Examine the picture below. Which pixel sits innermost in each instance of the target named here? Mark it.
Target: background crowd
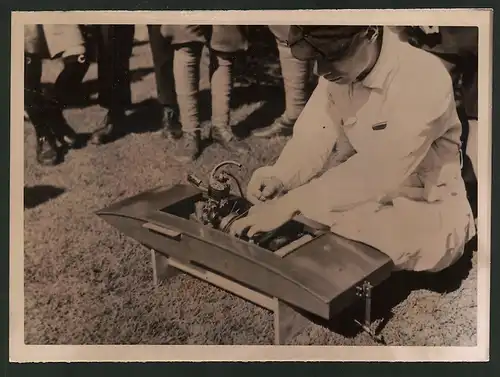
(177, 52)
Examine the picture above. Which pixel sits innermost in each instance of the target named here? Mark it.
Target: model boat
(301, 266)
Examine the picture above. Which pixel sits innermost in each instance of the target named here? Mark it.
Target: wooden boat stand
(288, 321)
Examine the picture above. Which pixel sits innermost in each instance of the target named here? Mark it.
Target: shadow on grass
(271, 97)
(147, 116)
(81, 96)
(82, 140)
(36, 195)
(273, 105)
(138, 43)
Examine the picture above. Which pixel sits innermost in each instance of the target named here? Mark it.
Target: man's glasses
(307, 42)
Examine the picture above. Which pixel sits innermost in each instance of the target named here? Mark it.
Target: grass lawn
(85, 283)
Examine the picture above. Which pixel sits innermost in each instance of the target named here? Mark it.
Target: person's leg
(296, 75)
(114, 50)
(221, 82)
(187, 79)
(68, 82)
(458, 72)
(68, 85)
(472, 144)
(470, 97)
(469, 133)
(35, 105)
(163, 61)
(415, 234)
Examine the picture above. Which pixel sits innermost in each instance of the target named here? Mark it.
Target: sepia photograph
(282, 180)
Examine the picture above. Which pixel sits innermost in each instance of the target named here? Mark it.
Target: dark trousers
(34, 101)
(163, 61)
(44, 111)
(464, 67)
(114, 48)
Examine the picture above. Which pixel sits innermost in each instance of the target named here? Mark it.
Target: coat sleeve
(314, 137)
(392, 156)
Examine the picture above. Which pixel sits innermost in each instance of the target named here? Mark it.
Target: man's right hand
(263, 187)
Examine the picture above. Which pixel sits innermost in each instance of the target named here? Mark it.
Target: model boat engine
(219, 209)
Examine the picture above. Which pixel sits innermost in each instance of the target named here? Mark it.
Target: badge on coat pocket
(379, 126)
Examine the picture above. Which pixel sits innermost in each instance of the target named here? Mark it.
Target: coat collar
(386, 62)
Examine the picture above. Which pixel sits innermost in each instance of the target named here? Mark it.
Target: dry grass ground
(85, 283)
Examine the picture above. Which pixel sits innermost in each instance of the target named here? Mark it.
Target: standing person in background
(67, 89)
(296, 78)
(224, 42)
(114, 48)
(44, 109)
(163, 61)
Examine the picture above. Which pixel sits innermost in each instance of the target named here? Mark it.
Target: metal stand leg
(365, 291)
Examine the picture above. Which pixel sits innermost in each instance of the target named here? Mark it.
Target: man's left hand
(264, 217)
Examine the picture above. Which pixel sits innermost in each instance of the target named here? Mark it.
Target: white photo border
(20, 352)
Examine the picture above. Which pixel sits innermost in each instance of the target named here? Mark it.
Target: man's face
(348, 69)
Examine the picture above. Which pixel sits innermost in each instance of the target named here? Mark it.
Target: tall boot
(68, 87)
(47, 152)
(35, 105)
(50, 103)
(187, 80)
(110, 127)
(296, 78)
(162, 52)
(55, 120)
(221, 80)
(64, 133)
(114, 49)
(46, 148)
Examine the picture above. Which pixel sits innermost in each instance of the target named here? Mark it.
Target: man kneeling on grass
(389, 109)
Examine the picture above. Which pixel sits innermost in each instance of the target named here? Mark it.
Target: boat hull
(320, 277)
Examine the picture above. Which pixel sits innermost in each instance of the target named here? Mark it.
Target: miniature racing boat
(299, 268)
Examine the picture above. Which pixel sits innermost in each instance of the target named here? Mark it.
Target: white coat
(399, 188)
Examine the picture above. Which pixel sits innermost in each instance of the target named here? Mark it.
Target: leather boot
(63, 132)
(109, 128)
(35, 108)
(280, 127)
(172, 128)
(187, 148)
(68, 88)
(46, 148)
(226, 138)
